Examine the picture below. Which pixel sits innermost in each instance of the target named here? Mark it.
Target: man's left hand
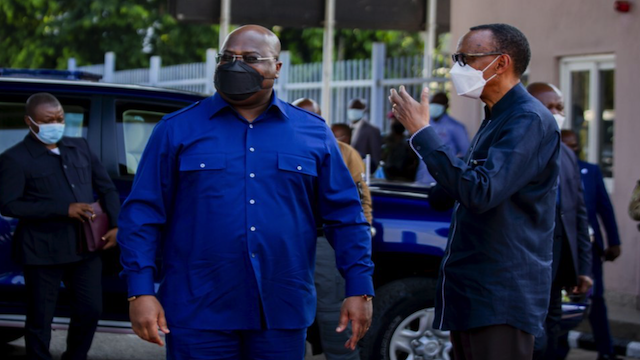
(359, 311)
(110, 238)
(584, 284)
(611, 253)
(412, 114)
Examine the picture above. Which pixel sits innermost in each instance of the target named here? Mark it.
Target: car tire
(401, 327)
(9, 334)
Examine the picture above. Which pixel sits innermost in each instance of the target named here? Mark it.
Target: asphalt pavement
(129, 347)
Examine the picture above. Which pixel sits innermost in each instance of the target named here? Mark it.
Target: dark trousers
(598, 313)
(546, 345)
(496, 342)
(330, 294)
(83, 280)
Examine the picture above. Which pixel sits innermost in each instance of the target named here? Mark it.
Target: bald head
(540, 87)
(307, 104)
(256, 33)
(549, 95)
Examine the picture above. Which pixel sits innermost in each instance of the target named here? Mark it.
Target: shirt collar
(511, 97)
(217, 103)
(36, 148)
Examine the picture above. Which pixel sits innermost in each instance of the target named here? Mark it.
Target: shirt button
(64, 166)
(253, 228)
(252, 201)
(252, 175)
(73, 186)
(250, 126)
(299, 167)
(202, 165)
(253, 255)
(418, 147)
(252, 149)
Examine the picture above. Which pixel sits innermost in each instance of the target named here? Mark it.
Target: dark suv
(117, 121)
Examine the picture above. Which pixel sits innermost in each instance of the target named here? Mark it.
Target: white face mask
(559, 119)
(468, 81)
(355, 114)
(48, 133)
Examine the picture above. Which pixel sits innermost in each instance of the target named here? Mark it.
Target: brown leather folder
(96, 228)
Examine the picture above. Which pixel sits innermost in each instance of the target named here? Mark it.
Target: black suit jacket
(37, 187)
(573, 215)
(369, 141)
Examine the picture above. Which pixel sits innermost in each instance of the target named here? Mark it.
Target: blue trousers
(196, 344)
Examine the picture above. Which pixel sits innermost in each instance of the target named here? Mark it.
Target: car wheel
(8, 334)
(402, 324)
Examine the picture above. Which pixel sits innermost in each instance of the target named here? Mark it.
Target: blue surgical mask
(48, 133)
(355, 114)
(436, 110)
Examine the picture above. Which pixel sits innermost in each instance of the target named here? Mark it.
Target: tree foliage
(45, 33)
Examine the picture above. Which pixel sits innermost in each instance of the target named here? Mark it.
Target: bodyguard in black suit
(571, 267)
(47, 182)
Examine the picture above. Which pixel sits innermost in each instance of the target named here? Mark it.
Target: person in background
(495, 276)
(399, 162)
(599, 210)
(571, 245)
(452, 133)
(329, 283)
(229, 190)
(342, 132)
(365, 137)
(48, 183)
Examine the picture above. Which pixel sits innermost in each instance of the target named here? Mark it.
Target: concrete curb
(622, 347)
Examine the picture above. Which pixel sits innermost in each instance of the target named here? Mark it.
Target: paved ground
(129, 347)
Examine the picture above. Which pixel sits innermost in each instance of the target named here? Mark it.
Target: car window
(135, 123)
(13, 128)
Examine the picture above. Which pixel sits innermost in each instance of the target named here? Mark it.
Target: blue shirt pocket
(203, 162)
(203, 174)
(297, 164)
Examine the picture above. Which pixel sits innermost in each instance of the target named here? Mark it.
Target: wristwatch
(367, 297)
(131, 298)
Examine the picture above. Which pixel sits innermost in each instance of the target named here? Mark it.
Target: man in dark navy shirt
(230, 191)
(48, 182)
(495, 278)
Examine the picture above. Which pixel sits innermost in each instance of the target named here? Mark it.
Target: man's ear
(503, 64)
(278, 67)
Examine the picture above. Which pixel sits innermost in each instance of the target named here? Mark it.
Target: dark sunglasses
(461, 58)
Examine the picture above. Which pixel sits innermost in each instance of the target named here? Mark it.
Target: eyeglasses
(461, 58)
(249, 59)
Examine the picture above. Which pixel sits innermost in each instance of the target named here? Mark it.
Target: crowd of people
(244, 188)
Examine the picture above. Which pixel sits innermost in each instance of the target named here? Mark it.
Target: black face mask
(237, 80)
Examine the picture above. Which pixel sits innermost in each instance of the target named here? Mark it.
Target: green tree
(45, 33)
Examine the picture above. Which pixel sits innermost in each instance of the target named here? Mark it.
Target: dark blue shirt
(233, 207)
(497, 264)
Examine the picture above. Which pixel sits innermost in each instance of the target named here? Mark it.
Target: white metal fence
(369, 79)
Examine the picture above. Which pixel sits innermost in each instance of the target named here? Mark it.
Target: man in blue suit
(598, 207)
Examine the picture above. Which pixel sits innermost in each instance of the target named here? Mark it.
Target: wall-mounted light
(623, 6)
